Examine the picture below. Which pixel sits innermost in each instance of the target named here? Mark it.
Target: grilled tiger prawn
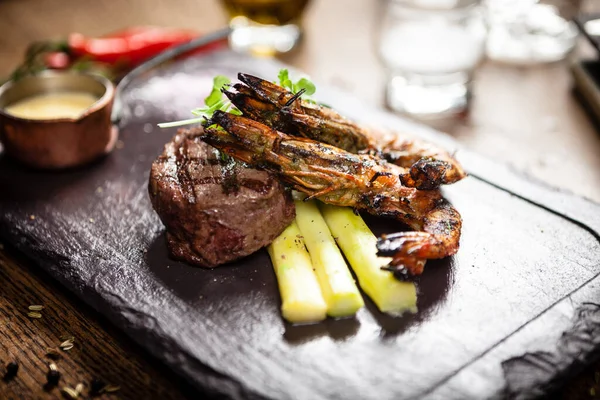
(428, 166)
(338, 177)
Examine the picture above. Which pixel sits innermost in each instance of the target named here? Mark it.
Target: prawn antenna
(295, 97)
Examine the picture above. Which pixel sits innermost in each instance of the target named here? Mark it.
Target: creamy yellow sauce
(52, 105)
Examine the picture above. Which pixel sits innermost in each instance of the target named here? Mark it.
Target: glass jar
(531, 31)
(430, 49)
(265, 27)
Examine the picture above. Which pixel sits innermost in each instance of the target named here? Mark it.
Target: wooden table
(526, 117)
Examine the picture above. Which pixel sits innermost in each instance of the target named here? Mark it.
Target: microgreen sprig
(216, 100)
(295, 87)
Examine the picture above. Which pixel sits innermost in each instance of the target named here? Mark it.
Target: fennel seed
(34, 314)
(111, 388)
(79, 388)
(70, 392)
(67, 345)
(36, 308)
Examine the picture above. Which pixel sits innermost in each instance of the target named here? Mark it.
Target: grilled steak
(215, 209)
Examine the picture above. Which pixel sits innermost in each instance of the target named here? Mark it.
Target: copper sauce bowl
(62, 142)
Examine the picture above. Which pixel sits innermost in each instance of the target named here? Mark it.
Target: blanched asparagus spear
(337, 284)
(301, 297)
(359, 246)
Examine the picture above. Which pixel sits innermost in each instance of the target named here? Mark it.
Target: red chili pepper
(130, 46)
(57, 60)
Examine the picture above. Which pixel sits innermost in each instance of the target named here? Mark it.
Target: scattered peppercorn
(53, 377)
(96, 386)
(11, 370)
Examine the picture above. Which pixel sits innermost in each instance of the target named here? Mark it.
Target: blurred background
(520, 107)
(499, 74)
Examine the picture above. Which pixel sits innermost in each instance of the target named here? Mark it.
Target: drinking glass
(430, 49)
(265, 27)
(531, 31)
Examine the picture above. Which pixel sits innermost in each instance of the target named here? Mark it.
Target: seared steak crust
(215, 209)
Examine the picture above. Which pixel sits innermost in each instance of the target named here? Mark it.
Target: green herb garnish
(216, 100)
(303, 83)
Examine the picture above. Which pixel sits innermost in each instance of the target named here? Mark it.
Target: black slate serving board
(512, 314)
